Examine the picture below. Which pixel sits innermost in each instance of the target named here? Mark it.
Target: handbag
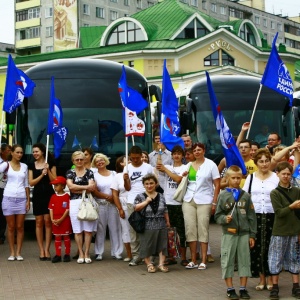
(174, 249)
(88, 209)
(181, 189)
(137, 220)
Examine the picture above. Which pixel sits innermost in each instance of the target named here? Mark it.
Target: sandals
(191, 265)
(202, 266)
(163, 268)
(151, 268)
(184, 262)
(260, 287)
(170, 262)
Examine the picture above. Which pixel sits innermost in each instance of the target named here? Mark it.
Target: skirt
(78, 225)
(153, 242)
(13, 206)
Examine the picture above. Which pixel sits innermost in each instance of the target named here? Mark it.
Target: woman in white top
(120, 200)
(259, 185)
(108, 213)
(16, 200)
(200, 202)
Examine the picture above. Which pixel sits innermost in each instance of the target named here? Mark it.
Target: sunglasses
(78, 159)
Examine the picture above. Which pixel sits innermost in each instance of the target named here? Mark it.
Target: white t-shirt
(118, 185)
(260, 192)
(136, 175)
(104, 182)
(17, 181)
(202, 190)
(171, 186)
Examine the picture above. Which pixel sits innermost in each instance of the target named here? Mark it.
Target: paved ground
(111, 279)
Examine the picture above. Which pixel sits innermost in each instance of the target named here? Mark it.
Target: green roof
(90, 36)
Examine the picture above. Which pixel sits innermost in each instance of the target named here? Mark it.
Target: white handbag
(181, 189)
(88, 209)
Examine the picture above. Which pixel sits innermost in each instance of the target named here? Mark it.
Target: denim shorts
(13, 206)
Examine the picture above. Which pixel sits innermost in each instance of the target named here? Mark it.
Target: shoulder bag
(137, 220)
(181, 189)
(88, 209)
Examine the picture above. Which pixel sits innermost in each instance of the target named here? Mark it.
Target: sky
(289, 8)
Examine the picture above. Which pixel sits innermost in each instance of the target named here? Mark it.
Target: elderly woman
(40, 175)
(154, 239)
(16, 201)
(199, 202)
(80, 179)
(108, 213)
(259, 185)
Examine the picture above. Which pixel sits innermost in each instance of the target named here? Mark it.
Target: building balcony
(28, 43)
(28, 23)
(291, 36)
(27, 4)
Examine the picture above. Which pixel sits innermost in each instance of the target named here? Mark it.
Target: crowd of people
(258, 211)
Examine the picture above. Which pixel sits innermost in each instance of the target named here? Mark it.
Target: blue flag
(94, 143)
(18, 86)
(230, 150)
(55, 117)
(169, 126)
(276, 75)
(75, 143)
(59, 139)
(131, 98)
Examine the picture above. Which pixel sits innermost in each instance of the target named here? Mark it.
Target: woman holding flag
(41, 174)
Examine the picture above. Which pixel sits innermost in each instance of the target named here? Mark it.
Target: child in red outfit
(61, 223)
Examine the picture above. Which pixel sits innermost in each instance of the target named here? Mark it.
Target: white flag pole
(47, 147)
(126, 153)
(2, 121)
(254, 109)
(132, 137)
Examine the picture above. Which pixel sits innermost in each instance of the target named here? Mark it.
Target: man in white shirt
(134, 185)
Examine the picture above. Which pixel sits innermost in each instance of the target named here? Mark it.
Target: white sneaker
(99, 257)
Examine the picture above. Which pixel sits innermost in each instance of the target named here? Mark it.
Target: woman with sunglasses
(80, 179)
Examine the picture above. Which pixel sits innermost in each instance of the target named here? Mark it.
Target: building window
(131, 64)
(114, 15)
(265, 22)
(279, 26)
(222, 10)
(49, 49)
(213, 7)
(139, 3)
(214, 59)
(193, 30)
(290, 43)
(272, 25)
(194, 3)
(150, 4)
(100, 12)
(127, 32)
(204, 4)
(115, 1)
(256, 20)
(236, 13)
(22, 34)
(86, 25)
(22, 15)
(33, 13)
(48, 12)
(266, 36)
(126, 2)
(32, 33)
(246, 33)
(49, 31)
(86, 9)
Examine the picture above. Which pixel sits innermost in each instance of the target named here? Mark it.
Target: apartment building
(52, 25)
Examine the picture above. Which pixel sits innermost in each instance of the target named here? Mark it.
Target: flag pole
(132, 137)
(254, 109)
(47, 147)
(126, 153)
(2, 121)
